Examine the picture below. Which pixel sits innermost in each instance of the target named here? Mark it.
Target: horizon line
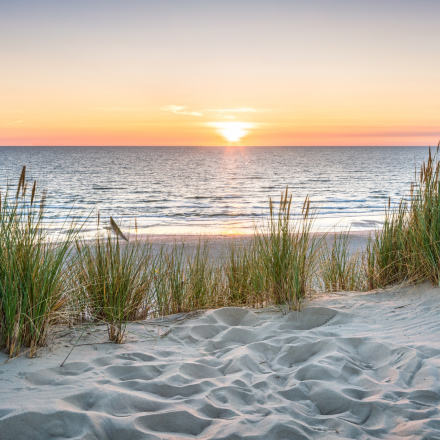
(217, 146)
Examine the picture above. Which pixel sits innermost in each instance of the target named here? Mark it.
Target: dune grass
(407, 248)
(244, 276)
(34, 272)
(288, 252)
(340, 269)
(45, 281)
(114, 282)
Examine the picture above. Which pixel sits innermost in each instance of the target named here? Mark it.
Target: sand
(219, 245)
(351, 365)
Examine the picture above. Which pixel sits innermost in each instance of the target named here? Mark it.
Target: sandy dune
(357, 366)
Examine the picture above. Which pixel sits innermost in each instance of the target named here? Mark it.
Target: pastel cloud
(234, 110)
(180, 110)
(118, 109)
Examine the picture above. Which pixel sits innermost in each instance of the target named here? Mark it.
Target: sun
(232, 131)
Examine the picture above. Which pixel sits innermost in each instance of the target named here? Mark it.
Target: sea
(212, 190)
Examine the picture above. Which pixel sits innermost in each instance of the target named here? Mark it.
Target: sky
(219, 72)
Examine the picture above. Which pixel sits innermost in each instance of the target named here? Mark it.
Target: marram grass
(113, 282)
(340, 269)
(407, 248)
(287, 252)
(34, 272)
(46, 281)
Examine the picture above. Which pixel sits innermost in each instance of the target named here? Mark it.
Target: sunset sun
(232, 131)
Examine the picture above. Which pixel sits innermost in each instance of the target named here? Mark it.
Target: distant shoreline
(219, 244)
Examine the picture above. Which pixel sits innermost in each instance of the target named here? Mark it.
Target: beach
(219, 220)
(285, 334)
(219, 245)
(349, 365)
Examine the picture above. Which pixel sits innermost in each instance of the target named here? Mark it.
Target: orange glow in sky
(219, 73)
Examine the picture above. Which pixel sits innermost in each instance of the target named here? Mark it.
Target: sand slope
(355, 366)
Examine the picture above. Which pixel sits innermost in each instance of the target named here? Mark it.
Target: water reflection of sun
(232, 131)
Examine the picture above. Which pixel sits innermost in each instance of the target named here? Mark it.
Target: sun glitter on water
(232, 131)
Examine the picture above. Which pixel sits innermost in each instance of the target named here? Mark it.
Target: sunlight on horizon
(199, 73)
(232, 131)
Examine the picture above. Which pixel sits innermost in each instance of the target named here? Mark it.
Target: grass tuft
(341, 269)
(44, 280)
(407, 248)
(113, 282)
(34, 273)
(288, 252)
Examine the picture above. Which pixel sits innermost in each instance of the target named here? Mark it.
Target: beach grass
(34, 271)
(341, 269)
(407, 247)
(244, 276)
(183, 281)
(46, 281)
(113, 282)
(288, 252)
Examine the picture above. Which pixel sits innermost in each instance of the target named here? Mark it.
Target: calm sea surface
(214, 189)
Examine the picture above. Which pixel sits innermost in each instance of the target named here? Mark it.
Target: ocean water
(214, 190)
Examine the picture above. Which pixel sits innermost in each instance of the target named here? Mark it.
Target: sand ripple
(353, 367)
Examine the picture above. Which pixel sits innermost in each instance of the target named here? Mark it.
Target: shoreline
(220, 243)
(356, 223)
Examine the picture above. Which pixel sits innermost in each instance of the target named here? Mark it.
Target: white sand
(357, 366)
(219, 245)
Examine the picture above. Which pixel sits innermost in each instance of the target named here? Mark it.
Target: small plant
(245, 279)
(34, 272)
(170, 281)
(407, 248)
(114, 281)
(200, 277)
(288, 252)
(238, 271)
(340, 269)
(184, 281)
(422, 232)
